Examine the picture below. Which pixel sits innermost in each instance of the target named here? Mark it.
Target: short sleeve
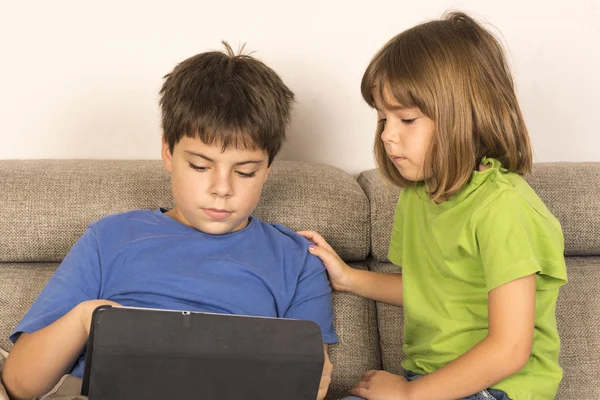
(515, 240)
(77, 279)
(312, 298)
(395, 250)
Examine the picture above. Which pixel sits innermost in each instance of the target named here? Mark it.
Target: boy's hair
(227, 100)
(456, 73)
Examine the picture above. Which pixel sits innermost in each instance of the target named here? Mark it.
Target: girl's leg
(489, 394)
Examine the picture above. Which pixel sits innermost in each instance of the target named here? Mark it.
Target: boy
(224, 118)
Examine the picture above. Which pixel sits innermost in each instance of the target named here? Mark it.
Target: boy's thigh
(68, 388)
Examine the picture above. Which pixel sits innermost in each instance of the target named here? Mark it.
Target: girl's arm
(505, 351)
(386, 288)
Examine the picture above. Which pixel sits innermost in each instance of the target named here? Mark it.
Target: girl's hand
(381, 385)
(340, 274)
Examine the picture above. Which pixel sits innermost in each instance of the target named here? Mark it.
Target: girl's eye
(246, 175)
(408, 121)
(382, 121)
(195, 167)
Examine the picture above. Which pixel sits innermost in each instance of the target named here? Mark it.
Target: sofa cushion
(571, 192)
(390, 322)
(383, 197)
(578, 320)
(47, 204)
(306, 196)
(567, 189)
(355, 321)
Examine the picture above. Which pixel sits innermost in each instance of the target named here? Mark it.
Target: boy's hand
(340, 274)
(86, 309)
(382, 385)
(326, 377)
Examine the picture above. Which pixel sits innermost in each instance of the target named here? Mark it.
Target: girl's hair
(456, 73)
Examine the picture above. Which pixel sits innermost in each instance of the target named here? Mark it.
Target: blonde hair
(456, 73)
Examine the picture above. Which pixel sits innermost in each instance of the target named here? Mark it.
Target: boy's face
(215, 191)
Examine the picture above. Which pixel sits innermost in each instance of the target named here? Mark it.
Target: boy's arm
(51, 335)
(326, 377)
(39, 359)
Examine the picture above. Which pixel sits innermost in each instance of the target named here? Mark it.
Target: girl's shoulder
(511, 194)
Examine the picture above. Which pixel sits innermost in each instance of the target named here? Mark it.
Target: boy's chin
(221, 228)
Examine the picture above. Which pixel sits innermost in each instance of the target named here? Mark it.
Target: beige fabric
(390, 320)
(355, 321)
(3, 394)
(321, 198)
(382, 199)
(47, 204)
(570, 190)
(20, 285)
(68, 388)
(578, 318)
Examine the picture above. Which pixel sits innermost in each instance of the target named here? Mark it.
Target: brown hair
(456, 73)
(228, 100)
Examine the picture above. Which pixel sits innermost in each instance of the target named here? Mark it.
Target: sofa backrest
(569, 190)
(47, 204)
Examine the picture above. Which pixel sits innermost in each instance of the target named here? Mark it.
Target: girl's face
(407, 135)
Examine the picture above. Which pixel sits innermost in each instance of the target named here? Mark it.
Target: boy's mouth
(216, 214)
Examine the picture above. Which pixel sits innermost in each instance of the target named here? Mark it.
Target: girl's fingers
(316, 239)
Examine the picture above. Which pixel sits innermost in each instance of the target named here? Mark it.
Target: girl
(482, 256)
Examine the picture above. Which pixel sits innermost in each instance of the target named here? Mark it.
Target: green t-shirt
(495, 230)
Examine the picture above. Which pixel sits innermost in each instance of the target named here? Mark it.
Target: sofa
(47, 204)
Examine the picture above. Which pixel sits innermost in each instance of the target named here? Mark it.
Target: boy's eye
(195, 167)
(408, 121)
(382, 121)
(246, 175)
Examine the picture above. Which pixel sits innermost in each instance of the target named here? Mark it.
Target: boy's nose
(221, 187)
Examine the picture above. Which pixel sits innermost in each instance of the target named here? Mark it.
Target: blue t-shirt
(147, 259)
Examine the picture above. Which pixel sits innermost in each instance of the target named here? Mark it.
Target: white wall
(79, 79)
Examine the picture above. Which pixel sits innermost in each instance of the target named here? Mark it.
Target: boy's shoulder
(282, 235)
(119, 220)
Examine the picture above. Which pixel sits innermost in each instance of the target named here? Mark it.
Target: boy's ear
(166, 155)
(268, 172)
